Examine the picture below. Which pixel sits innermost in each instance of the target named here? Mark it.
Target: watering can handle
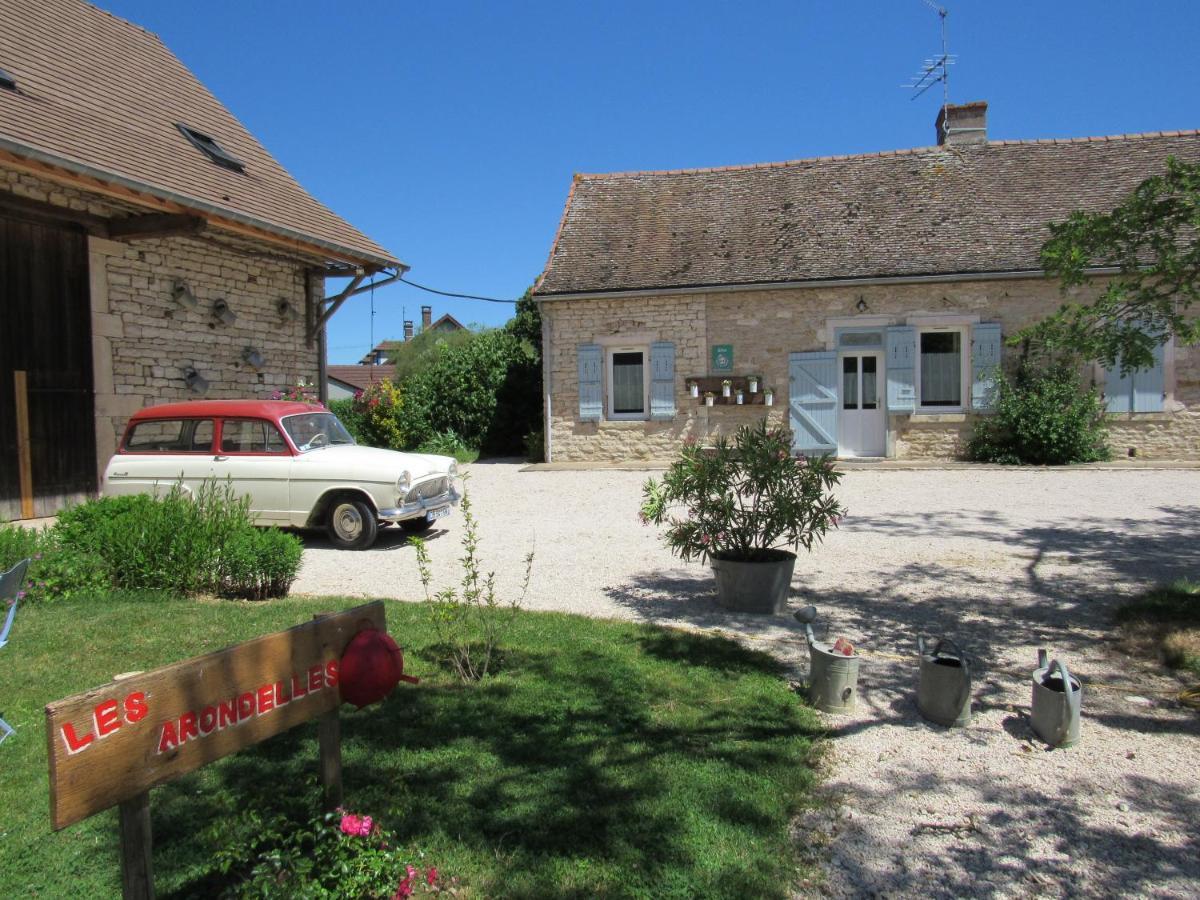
(1073, 696)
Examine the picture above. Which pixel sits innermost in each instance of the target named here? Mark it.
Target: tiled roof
(361, 377)
(384, 347)
(447, 322)
(934, 210)
(98, 95)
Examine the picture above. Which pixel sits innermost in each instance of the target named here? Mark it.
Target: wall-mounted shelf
(712, 384)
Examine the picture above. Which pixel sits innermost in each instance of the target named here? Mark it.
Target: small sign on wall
(722, 357)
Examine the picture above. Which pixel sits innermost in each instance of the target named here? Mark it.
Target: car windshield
(309, 431)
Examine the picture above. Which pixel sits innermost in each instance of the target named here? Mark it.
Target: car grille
(427, 490)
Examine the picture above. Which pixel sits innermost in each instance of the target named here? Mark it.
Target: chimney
(426, 317)
(408, 329)
(962, 124)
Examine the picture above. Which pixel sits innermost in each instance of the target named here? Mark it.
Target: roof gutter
(1009, 275)
(337, 250)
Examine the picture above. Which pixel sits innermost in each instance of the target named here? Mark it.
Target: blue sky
(449, 131)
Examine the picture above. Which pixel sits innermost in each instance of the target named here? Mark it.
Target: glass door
(861, 422)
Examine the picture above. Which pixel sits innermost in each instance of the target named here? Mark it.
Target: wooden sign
(114, 743)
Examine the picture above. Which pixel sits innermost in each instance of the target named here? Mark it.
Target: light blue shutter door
(590, 363)
(662, 380)
(1118, 389)
(901, 359)
(985, 360)
(1149, 385)
(813, 402)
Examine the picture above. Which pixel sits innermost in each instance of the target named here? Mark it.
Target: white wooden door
(861, 417)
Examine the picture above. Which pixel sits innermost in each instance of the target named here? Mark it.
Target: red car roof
(192, 409)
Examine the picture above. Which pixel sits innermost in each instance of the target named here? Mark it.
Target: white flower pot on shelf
(708, 399)
(754, 385)
(725, 389)
(695, 389)
(769, 398)
(740, 398)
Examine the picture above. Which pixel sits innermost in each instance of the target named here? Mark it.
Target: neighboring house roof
(447, 323)
(360, 377)
(99, 97)
(384, 347)
(935, 210)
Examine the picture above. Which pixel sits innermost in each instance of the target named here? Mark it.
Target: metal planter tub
(754, 587)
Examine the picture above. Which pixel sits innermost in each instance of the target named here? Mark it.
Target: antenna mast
(936, 68)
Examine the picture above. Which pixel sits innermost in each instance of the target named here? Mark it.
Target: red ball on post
(371, 667)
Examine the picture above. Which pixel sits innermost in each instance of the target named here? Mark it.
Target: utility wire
(449, 294)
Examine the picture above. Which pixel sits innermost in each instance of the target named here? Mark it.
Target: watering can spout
(806, 616)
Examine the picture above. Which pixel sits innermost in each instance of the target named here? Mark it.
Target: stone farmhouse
(151, 249)
(871, 294)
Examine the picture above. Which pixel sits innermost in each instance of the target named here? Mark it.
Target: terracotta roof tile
(929, 210)
(97, 91)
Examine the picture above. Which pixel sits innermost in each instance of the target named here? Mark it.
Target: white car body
(289, 484)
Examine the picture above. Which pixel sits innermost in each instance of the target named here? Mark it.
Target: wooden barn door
(47, 416)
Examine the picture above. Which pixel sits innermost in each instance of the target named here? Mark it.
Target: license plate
(437, 513)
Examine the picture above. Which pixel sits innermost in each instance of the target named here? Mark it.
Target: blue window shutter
(1149, 385)
(901, 361)
(1118, 390)
(662, 380)
(813, 402)
(985, 360)
(591, 404)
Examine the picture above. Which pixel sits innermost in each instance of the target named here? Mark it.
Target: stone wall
(764, 326)
(142, 340)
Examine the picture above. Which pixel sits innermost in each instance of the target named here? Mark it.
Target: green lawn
(605, 759)
(1167, 619)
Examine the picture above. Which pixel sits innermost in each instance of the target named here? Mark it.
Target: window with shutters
(628, 383)
(941, 368)
(1139, 390)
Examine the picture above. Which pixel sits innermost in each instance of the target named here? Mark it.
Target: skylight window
(7, 81)
(210, 148)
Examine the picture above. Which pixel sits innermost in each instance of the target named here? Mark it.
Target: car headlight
(403, 483)
(453, 470)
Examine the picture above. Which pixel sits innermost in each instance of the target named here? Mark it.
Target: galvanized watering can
(832, 677)
(944, 688)
(1057, 697)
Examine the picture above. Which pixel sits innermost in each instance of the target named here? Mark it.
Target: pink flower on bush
(721, 536)
(404, 889)
(704, 539)
(431, 876)
(801, 461)
(783, 454)
(357, 826)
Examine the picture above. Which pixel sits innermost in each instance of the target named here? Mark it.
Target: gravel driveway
(1004, 561)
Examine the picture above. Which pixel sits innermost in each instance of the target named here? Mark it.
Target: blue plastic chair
(10, 586)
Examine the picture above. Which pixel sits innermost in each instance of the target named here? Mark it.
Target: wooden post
(329, 737)
(137, 874)
(24, 452)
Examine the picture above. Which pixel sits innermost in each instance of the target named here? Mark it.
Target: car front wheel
(352, 524)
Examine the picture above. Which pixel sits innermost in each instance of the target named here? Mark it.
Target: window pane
(160, 436)
(202, 436)
(250, 436)
(870, 399)
(941, 368)
(861, 339)
(628, 387)
(850, 382)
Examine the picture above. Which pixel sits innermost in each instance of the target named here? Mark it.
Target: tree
(1152, 239)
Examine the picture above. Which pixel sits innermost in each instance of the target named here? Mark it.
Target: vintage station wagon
(296, 461)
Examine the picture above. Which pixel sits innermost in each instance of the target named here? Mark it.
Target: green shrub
(258, 564)
(447, 443)
(54, 573)
(479, 389)
(201, 544)
(1044, 416)
(348, 415)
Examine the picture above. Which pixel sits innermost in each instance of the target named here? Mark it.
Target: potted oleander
(747, 507)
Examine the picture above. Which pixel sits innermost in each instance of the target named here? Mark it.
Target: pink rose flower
(431, 876)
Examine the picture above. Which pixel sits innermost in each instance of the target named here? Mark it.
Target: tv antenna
(937, 67)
